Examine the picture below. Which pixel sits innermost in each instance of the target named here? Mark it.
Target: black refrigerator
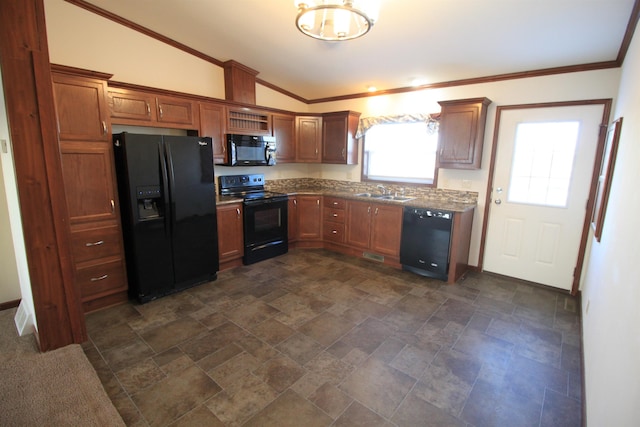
(168, 206)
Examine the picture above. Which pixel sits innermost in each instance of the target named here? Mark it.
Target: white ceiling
(431, 40)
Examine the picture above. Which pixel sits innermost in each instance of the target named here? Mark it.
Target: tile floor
(314, 338)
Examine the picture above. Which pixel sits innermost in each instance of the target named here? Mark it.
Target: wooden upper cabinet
(309, 139)
(339, 144)
(134, 105)
(239, 83)
(212, 120)
(461, 133)
(284, 130)
(146, 108)
(81, 108)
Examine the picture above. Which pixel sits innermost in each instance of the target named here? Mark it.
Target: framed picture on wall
(604, 179)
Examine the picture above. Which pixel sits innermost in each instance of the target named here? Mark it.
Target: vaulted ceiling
(414, 41)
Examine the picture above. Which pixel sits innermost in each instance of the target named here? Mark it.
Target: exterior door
(543, 170)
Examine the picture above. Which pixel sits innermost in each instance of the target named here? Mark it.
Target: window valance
(368, 122)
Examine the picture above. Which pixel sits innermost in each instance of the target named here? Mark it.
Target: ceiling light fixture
(336, 20)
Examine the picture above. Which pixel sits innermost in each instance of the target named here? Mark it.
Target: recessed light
(372, 89)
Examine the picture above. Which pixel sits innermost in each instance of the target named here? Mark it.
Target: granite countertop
(417, 201)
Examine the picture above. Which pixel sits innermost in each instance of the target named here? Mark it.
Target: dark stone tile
(300, 348)
(140, 376)
(217, 358)
(272, 331)
(456, 311)
(173, 397)
(378, 386)
(127, 354)
(328, 368)
(571, 359)
(413, 361)
(388, 350)
(358, 415)
(110, 317)
(368, 335)
(326, 328)
(211, 342)
(416, 412)
(483, 346)
(330, 400)
(560, 410)
(173, 333)
(290, 410)
(236, 405)
(372, 308)
(258, 349)
(541, 344)
(250, 315)
(200, 416)
(529, 378)
(488, 406)
(109, 337)
(279, 373)
(447, 382)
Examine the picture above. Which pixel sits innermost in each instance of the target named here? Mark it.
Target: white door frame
(606, 103)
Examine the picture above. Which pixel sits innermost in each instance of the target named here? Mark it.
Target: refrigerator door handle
(165, 190)
(172, 186)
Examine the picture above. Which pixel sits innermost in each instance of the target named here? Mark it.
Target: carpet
(57, 388)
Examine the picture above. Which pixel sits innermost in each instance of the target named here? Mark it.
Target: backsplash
(315, 184)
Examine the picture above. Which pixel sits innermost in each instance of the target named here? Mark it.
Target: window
(542, 163)
(400, 152)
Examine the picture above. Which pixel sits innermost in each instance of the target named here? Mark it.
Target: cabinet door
(386, 229)
(358, 224)
(309, 219)
(89, 181)
(175, 110)
(292, 218)
(308, 139)
(338, 138)
(284, 130)
(212, 120)
(128, 104)
(461, 133)
(230, 234)
(81, 108)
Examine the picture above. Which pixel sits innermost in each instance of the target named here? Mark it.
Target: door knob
(498, 201)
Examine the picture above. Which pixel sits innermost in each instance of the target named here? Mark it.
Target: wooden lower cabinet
(309, 218)
(333, 216)
(230, 235)
(374, 227)
(292, 218)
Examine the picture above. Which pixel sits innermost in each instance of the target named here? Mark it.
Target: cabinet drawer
(95, 243)
(335, 215)
(333, 232)
(334, 202)
(100, 278)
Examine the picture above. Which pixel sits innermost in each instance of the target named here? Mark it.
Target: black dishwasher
(426, 238)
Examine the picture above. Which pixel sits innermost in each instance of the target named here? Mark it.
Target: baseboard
(9, 304)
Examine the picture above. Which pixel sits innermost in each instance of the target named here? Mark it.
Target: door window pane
(542, 163)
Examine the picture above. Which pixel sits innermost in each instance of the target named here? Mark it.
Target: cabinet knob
(295, 203)
(148, 109)
(98, 243)
(238, 212)
(335, 214)
(160, 109)
(334, 231)
(343, 152)
(97, 279)
(376, 212)
(113, 206)
(104, 127)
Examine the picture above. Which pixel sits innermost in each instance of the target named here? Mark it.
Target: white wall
(14, 277)
(611, 290)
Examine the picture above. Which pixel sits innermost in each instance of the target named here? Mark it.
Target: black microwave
(251, 150)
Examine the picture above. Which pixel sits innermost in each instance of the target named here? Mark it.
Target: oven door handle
(265, 201)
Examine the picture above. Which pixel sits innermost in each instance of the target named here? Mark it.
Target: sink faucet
(382, 188)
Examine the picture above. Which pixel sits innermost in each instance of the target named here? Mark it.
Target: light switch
(3, 143)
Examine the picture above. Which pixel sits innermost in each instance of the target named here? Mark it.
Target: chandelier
(336, 20)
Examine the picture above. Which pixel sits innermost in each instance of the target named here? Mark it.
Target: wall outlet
(586, 309)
